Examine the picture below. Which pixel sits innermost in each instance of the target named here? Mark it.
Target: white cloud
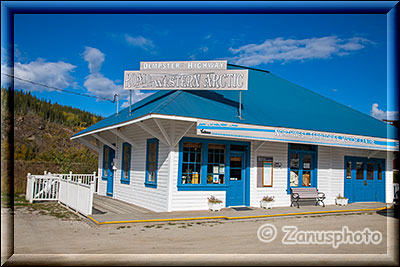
(334, 90)
(136, 97)
(204, 49)
(94, 57)
(54, 74)
(101, 86)
(139, 41)
(380, 114)
(285, 50)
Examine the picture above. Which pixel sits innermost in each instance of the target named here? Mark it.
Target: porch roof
(269, 101)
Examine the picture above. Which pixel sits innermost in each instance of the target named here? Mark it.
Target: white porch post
(171, 160)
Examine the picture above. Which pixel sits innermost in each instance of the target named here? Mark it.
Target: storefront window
(191, 163)
(151, 163)
(216, 164)
(307, 170)
(294, 169)
(205, 164)
(302, 165)
(126, 162)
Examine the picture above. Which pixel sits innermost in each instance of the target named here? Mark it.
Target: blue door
(235, 194)
(364, 179)
(110, 172)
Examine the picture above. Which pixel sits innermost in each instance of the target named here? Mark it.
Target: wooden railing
(73, 190)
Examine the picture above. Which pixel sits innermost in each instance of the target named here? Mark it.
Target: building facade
(174, 149)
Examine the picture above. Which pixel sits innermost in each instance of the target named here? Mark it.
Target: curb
(238, 217)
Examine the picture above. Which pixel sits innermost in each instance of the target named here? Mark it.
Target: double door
(364, 179)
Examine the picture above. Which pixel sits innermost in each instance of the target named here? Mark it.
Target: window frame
(314, 171)
(189, 162)
(105, 169)
(148, 183)
(203, 186)
(126, 180)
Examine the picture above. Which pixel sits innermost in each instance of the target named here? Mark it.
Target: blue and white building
(175, 148)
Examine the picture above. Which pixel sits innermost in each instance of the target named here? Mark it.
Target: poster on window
(267, 173)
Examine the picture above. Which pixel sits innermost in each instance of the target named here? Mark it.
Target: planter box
(266, 204)
(341, 201)
(215, 206)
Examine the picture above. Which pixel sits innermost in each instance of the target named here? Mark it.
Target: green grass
(51, 208)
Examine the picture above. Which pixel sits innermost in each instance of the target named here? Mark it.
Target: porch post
(171, 155)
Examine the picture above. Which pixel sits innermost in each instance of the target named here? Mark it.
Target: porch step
(115, 206)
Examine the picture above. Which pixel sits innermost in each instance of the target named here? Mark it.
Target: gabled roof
(269, 101)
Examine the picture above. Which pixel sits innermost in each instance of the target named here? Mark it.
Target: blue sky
(342, 57)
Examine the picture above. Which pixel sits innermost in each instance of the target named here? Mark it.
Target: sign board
(267, 173)
(186, 80)
(175, 66)
(288, 135)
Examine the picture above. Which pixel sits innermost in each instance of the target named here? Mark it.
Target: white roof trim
(146, 117)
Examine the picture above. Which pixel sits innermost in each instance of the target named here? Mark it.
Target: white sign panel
(175, 66)
(194, 80)
(279, 134)
(267, 173)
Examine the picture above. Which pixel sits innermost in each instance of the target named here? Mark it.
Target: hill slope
(41, 139)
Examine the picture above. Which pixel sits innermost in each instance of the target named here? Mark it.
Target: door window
(348, 170)
(236, 168)
(379, 171)
(370, 171)
(307, 170)
(360, 170)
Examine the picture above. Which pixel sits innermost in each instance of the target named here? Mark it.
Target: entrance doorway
(235, 194)
(108, 159)
(364, 179)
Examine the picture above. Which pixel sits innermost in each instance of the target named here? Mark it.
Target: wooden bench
(299, 193)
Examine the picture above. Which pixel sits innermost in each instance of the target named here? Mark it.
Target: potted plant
(267, 202)
(214, 203)
(341, 201)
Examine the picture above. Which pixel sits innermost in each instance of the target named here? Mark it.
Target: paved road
(36, 234)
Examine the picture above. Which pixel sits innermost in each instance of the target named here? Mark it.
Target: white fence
(73, 190)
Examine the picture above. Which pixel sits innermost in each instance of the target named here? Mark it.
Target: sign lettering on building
(287, 135)
(185, 75)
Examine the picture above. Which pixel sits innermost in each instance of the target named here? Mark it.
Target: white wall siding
(279, 153)
(324, 173)
(136, 192)
(389, 177)
(166, 196)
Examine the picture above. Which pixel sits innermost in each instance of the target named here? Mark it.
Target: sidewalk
(135, 215)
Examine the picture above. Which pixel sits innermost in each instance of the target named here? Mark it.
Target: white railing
(77, 193)
(84, 178)
(42, 187)
(73, 190)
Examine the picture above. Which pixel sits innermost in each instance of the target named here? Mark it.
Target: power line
(58, 89)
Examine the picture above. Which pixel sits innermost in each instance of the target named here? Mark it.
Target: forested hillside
(42, 132)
